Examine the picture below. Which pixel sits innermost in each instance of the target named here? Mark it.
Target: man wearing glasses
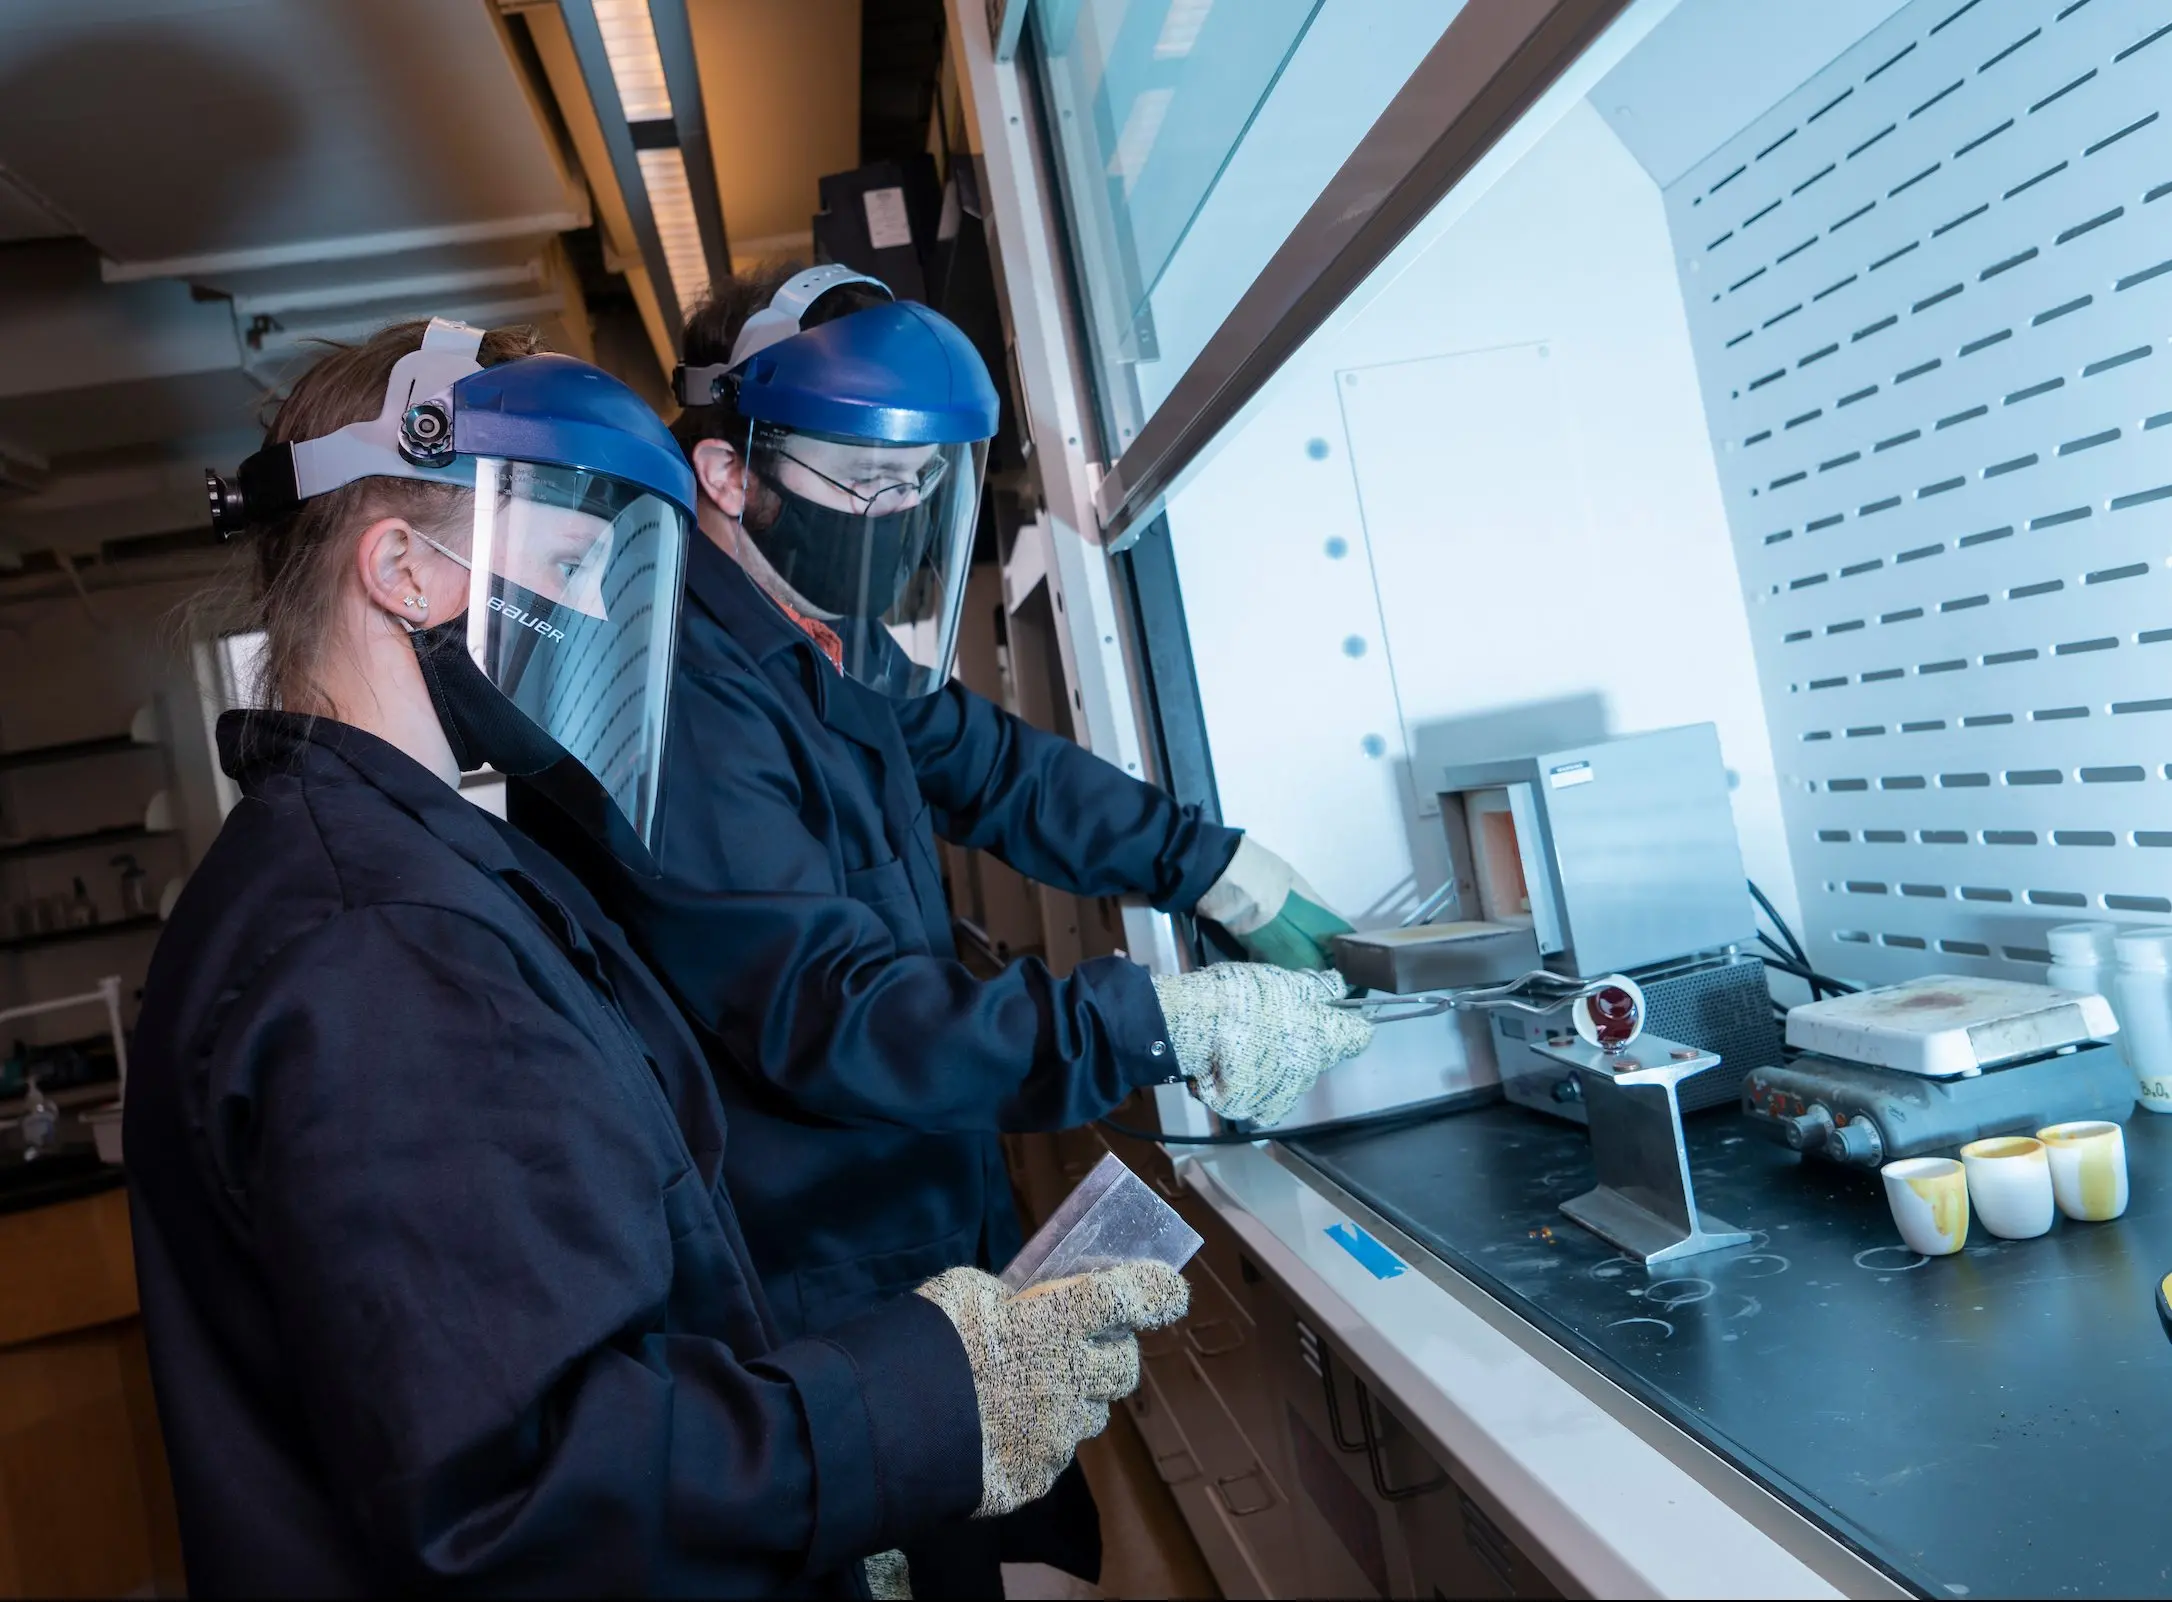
(819, 747)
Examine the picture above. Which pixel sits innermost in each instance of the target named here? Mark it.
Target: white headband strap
(779, 320)
(371, 449)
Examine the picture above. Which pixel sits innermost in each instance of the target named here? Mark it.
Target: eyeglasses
(887, 498)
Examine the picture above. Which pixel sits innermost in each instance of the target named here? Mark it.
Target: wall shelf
(63, 937)
(53, 845)
(38, 756)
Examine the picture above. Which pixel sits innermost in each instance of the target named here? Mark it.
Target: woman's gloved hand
(1275, 916)
(1253, 1038)
(1048, 1361)
(888, 1577)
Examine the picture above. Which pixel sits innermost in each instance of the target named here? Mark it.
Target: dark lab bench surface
(57, 1177)
(1998, 1423)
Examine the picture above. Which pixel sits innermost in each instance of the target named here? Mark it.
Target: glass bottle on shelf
(135, 886)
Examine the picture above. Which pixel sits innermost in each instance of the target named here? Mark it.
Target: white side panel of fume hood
(1472, 549)
(1929, 291)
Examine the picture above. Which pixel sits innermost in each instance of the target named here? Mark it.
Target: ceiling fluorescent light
(663, 173)
(637, 58)
(1180, 27)
(1141, 128)
(637, 66)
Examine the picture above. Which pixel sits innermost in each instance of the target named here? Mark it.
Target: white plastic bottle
(2083, 960)
(2143, 986)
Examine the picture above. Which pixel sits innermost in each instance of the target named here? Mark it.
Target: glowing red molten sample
(1613, 1017)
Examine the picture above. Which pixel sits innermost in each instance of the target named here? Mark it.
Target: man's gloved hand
(1273, 914)
(888, 1577)
(1253, 1038)
(1048, 1361)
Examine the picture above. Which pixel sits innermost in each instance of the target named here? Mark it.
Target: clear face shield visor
(873, 540)
(573, 595)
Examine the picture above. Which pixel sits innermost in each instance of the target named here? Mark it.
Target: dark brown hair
(297, 559)
(714, 327)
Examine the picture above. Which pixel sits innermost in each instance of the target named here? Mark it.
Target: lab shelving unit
(155, 825)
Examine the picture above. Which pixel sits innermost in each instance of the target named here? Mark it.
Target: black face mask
(509, 730)
(844, 563)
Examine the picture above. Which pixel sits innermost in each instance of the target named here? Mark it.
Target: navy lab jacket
(802, 924)
(442, 1284)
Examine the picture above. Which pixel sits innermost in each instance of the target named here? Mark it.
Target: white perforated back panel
(1930, 294)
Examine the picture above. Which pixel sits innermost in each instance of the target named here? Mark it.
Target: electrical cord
(1817, 990)
(1395, 1118)
(1793, 952)
(1794, 946)
(1839, 987)
(1774, 947)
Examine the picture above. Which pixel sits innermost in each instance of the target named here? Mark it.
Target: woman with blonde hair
(442, 1285)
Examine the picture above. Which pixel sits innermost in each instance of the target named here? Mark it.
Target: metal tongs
(1538, 992)
(1395, 1009)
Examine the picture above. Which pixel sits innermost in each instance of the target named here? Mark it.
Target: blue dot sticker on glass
(1316, 449)
(1337, 548)
(1373, 746)
(1353, 646)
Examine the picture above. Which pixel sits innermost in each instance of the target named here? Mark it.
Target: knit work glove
(1253, 1038)
(888, 1579)
(1047, 1363)
(1273, 914)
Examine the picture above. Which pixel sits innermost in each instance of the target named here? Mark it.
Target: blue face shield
(873, 539)
(558, 668)
(868, 437)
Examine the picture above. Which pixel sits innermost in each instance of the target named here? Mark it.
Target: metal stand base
(1644, 1203)
(1644, 1234)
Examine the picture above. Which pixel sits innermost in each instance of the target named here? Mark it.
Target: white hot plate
(1949, 1026)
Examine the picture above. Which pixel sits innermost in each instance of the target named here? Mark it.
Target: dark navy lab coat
(802, 924)
(442, 1285)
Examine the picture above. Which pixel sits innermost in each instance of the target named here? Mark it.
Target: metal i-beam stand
(1644, 1202)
